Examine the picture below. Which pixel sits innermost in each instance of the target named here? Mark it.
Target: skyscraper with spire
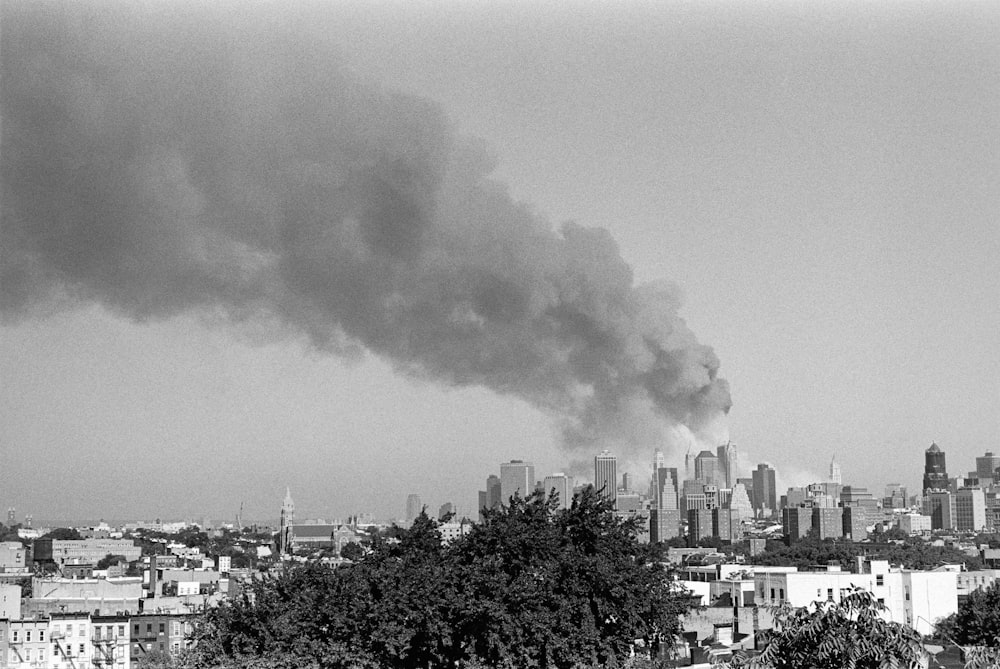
(835, 474)
(285, 525)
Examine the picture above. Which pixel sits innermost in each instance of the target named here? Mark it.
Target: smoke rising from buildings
(160, 161)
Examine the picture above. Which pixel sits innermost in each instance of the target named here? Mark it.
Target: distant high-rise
(706, 467)
(935, 471)
(765, 490)
(445, 510)
(606, 475)
(413, 507)
(665, 488)
(11, 517)
(516, 476)
(286, 522)
(835, 474)
(658, 460)
(728, 464)
(970, 510)
(986, 467)
(493, 496)
(563, 487)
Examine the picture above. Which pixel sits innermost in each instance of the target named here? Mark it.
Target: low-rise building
(916, 598)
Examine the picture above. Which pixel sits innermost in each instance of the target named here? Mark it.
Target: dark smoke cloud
(160, 159)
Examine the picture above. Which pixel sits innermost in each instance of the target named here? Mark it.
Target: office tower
(664, 524)
(446, 509)
(728, 464)
(10, 517)
(666, 488)
(765, 493)
(516, 477)
(490, 498)
(606, 475)
(935, 471)
(285, 523)
(562, 485)
(706, 467)
(688, 465)
(986, 468)
(699, 525)
(626, 482)
(970, 510)
(939, 505)
(658, 460)
(835, 474)
(413, 507)
(739, 501)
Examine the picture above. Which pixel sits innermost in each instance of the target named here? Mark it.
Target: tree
(109, 560)
(64, 534)
(352, 551)
(835, 635)
(976, 627)
(531, 586)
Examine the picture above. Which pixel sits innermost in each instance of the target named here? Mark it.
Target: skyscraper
(563, 487)
(706, 468)
(835, 474)
(516, 476)
(935, 471)
(493, 496)
(728, 464)
(286, 522)
(606, 475)
(765, 493)
(986, 468)
(413, 507)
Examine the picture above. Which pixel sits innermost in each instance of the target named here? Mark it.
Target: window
(772, 593)
(41, 654)
(121, 630)
(55, 628)
(27, 655)
(163, 628)
(879, 579)
(13, 636)
(82, 632)
(149, 628)
(83, 649)
(781, 593)
(69, 629)
(136, 628)
(829, 593)
(41, 635)
(55, 649)
(27, 636)
(97, 633)
(881, 600)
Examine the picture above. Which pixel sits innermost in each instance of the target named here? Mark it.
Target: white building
(970, 509)
(916, 598)
(70, 635)
(914, 523)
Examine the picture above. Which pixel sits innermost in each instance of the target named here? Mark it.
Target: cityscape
(357, 335)
(124, 596)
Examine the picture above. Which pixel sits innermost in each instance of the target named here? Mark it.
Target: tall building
(935, 471)
(728, 464)
(413, 507)
(562, 485)
(706, 467)
(445, 510)
(11, 516)
(939, 505)
(688, 465)
(285, 523)
(970, 510)
(765, 491)
(516, 477)
(986, 468)
(835, 474)
(490, 498)
(606, 476)
(665, 484)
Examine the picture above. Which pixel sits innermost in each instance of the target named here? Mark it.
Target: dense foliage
(912, 554)
(531, 586)
(834, 635)
(976, 627)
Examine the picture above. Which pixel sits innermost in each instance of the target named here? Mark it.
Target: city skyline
(818, 183)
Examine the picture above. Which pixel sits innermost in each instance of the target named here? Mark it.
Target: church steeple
(285, 529)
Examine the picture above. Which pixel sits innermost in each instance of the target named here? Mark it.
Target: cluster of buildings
(58, 610)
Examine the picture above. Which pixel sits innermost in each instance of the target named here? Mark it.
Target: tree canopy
(835, 635)
(530, 586)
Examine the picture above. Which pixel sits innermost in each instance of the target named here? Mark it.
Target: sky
(364, 250)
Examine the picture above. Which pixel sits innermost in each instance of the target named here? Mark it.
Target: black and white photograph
(580, 334)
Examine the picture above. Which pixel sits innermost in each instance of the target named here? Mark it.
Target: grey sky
(822, 183)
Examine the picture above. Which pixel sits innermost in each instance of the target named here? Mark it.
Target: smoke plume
(161, 158)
